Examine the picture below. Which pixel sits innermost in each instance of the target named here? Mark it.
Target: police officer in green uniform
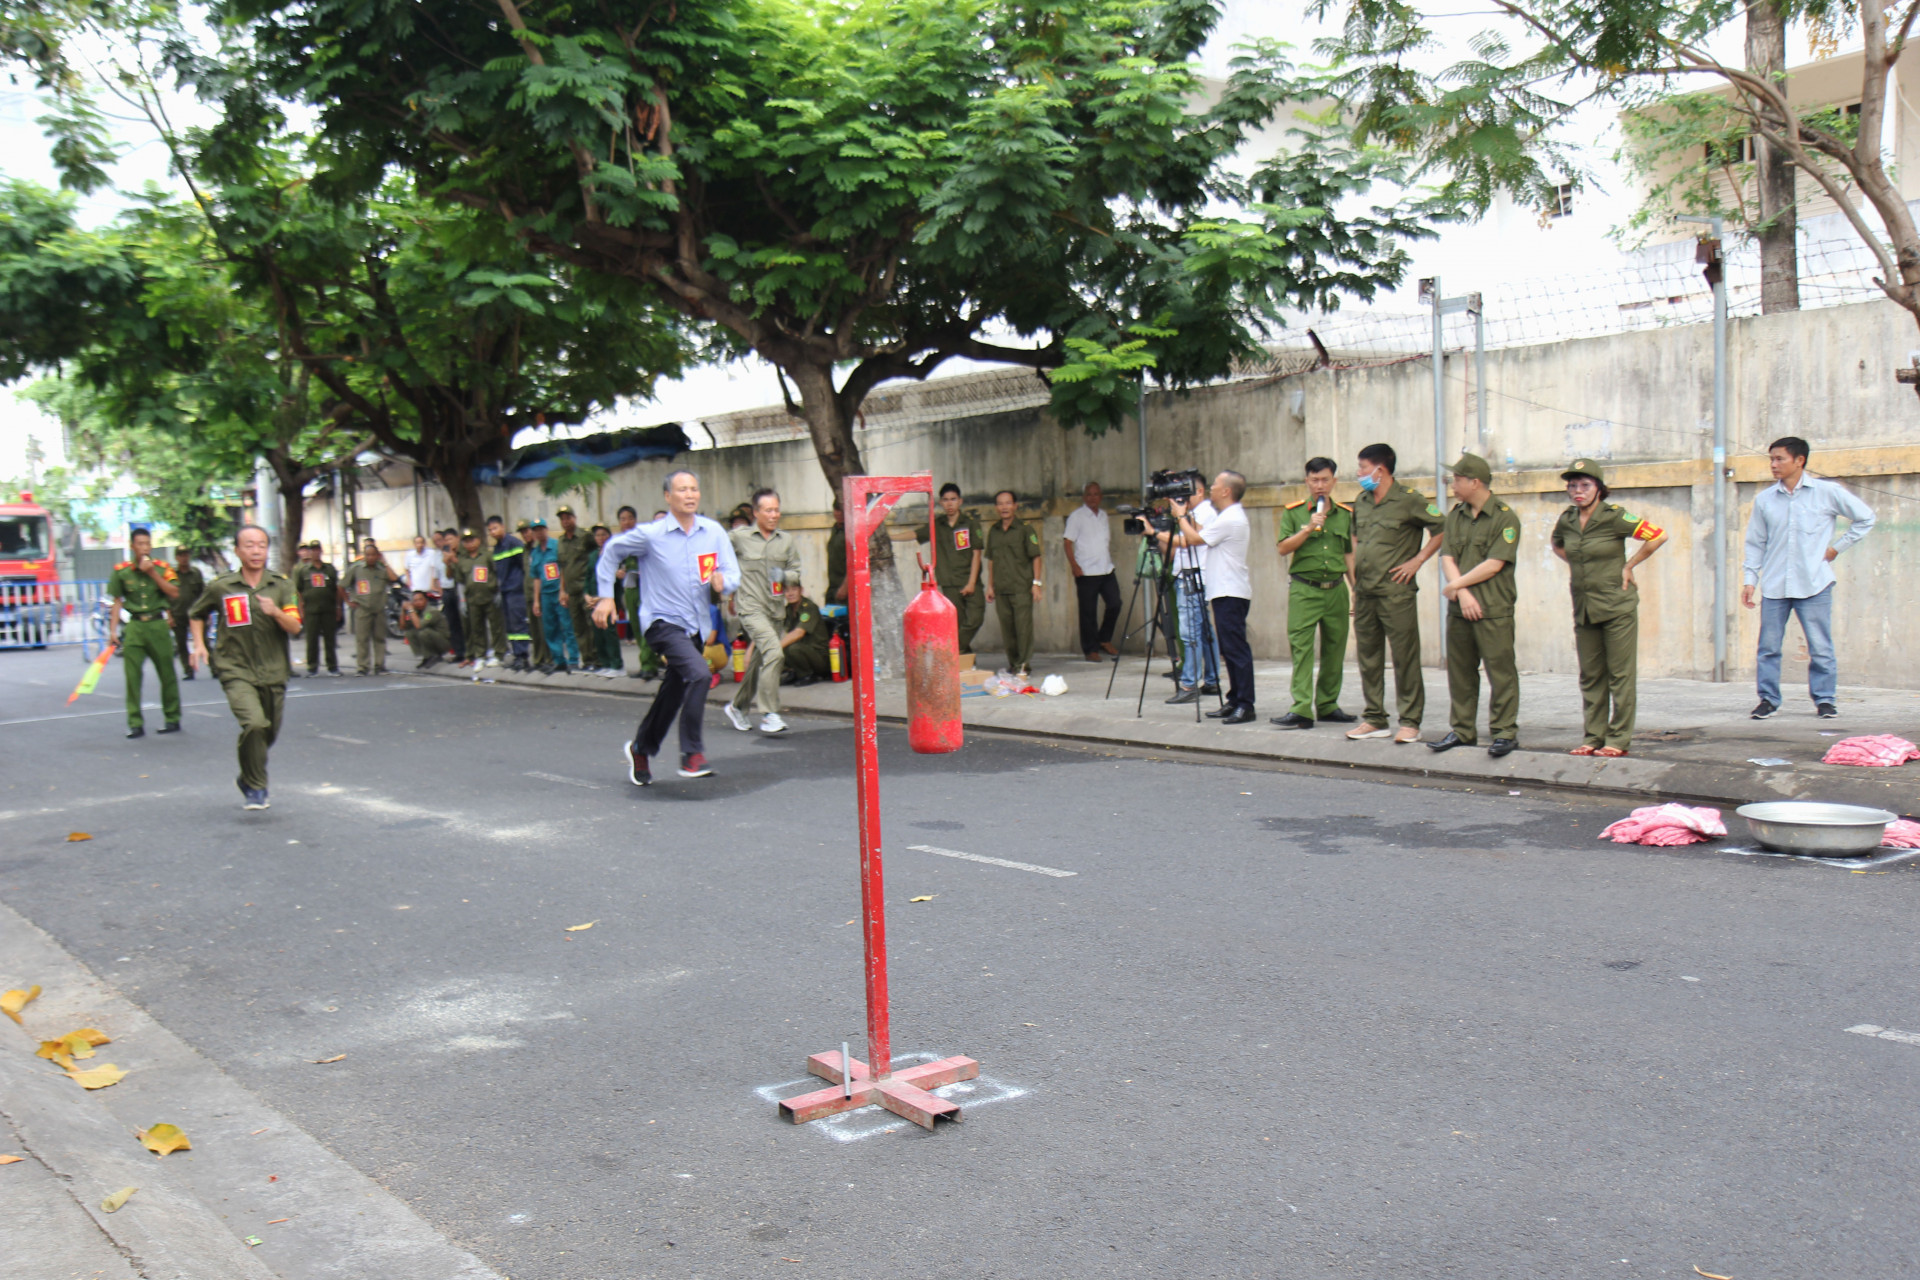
(1388, 519)
(1317, 533)
(425, 628)
(577, 553)
(807, 640)
(258, 610)
(319, 585)
(608, 638)
(768, 555)
(190, 582)
(365, 584)
(1477, 561)
(486, 622)
(837, 557)
(646, 665)
(144, 587)
(1591, 536)
(1013, 579)
(956, 562)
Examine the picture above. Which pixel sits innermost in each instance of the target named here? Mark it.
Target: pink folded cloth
(1901, 834)
(1875, 751)
(1665, 825)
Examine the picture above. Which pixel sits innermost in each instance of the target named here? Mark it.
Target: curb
(1634, 777)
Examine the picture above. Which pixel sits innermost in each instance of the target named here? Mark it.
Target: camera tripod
(1153, 620)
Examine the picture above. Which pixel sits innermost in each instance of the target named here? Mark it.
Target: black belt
(153, 616)
(1310, 582)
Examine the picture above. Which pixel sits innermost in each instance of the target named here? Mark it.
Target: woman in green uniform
(1592, 536)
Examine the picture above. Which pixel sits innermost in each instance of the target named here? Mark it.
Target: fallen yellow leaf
(11, 1159)
(98, 1078)
(575, 928)
(163, 1138)
(12, 1002)
(925, 897)
(74, 1044)
(75, 837)
(113, 1202)
(1709, 1275)
(321, 1062)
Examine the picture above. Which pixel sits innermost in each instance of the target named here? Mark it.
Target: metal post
(1716, 272)
(1432, 290)
(1143, 439)
(1479, 369)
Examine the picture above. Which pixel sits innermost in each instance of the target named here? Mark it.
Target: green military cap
(1473, 467)
(597, 528)
(468, 533)
(524, 524)
(537, 524)
(564, 511)
(1585, 467)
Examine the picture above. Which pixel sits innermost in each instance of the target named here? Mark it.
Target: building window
(1560, 205)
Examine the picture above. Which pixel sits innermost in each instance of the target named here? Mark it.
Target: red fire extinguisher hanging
(739, 658)
(933, 671)
(837, 659)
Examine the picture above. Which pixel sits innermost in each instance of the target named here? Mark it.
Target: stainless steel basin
(1822, 830)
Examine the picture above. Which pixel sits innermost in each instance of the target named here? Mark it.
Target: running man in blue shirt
(685, 560)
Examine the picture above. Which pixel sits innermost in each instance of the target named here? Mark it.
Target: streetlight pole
(1443, 307)
(1708, 254)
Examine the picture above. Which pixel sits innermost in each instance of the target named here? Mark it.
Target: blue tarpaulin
(607, 449)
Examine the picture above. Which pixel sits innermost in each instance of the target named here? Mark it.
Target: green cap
(564, 511)
(1473, 467)
(1585, 467)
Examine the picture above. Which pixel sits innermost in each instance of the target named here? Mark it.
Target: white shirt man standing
(1089, 547)
(1229, 586)
(424, 565)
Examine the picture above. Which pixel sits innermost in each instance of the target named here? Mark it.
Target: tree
(863, 191)
(1491, 123)
(1773, 168)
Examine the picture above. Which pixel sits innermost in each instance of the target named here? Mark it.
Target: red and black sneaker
(694, 765)
(637, 771)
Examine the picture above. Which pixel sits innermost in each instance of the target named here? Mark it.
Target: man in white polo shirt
(1229, 585)
(1089, 545)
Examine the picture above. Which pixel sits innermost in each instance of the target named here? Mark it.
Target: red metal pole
(866, 754)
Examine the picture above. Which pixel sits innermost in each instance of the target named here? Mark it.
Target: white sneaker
(612, 673)
(772, 723)
(492, 662)
(737, 719)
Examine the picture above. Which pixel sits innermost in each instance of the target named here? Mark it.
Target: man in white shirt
(1790, 554)
(1199, 657)
(1089, 546)
(423, 567)
(1229, 586)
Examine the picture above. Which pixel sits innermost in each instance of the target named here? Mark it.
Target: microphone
(1320, 505)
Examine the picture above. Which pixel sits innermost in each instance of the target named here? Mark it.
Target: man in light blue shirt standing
(1790, 553)
(685, 560)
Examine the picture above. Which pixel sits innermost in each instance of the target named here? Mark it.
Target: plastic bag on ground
(1875, 751)
(1666, 825)
(1053, 686)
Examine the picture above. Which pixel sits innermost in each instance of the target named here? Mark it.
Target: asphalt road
(1276, 1025)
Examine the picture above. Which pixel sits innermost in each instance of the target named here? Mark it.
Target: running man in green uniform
(259, 610)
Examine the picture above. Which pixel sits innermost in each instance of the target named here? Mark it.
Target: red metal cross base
(906, 1092)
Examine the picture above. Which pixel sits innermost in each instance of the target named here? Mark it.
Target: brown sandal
(1611, 753)
(1583, 750)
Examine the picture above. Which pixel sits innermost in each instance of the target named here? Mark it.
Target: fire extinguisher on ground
(837, 659)
(739, 658)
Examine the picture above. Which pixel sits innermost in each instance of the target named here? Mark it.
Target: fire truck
(29, 580)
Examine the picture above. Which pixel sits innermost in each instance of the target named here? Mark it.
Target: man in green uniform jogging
(258, 611)
(768, 556)
(144, 587)
(1318, 533)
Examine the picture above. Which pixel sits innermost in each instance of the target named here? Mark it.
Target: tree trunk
(830, 422)
(292, 482)
(1773, 170)
(465, 495)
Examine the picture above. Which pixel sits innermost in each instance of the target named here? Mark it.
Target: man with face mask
(1388, 519)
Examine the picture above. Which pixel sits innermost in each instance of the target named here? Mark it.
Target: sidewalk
(1694, 740)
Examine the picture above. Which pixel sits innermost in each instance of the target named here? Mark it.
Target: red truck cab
(29, 577)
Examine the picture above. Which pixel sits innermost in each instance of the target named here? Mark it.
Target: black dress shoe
(1449, 742)
(1503, 747)
(1239, 715)
(1211, 690)
(1292, 720)
(172, 726)
(136, 733)
(1184, 697)
(187, 676)
(1337, 716)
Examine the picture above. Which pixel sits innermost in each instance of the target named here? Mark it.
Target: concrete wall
(1641, 402)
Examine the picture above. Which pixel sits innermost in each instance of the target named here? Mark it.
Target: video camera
(1139, 519)
(1175, 484)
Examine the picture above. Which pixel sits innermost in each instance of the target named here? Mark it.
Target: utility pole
(1442, 308)
(1707, 253)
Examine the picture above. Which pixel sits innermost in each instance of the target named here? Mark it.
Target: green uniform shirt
(760, 560)
(836, 562)
(954, 546)
(1323, 556)
(191, 583)
(1597, 554)
(252, 646)
(136, 589)
(366, 584)
(1010, 553)
(819, 635)
(319, 586)
(1387, 534)
(476, 574)
(578, 555)
(1494, 534)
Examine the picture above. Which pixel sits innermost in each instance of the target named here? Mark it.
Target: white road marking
(9, 815)
(352, 742)
(1886, 1033)
(572, 782)
(992, 862)
(395, 809)
(331, 693)
(873, 1120)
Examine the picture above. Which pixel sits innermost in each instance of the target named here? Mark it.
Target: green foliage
(571, 475)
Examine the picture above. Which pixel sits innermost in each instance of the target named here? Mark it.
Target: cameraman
(1199, 662)
(1229, 585)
